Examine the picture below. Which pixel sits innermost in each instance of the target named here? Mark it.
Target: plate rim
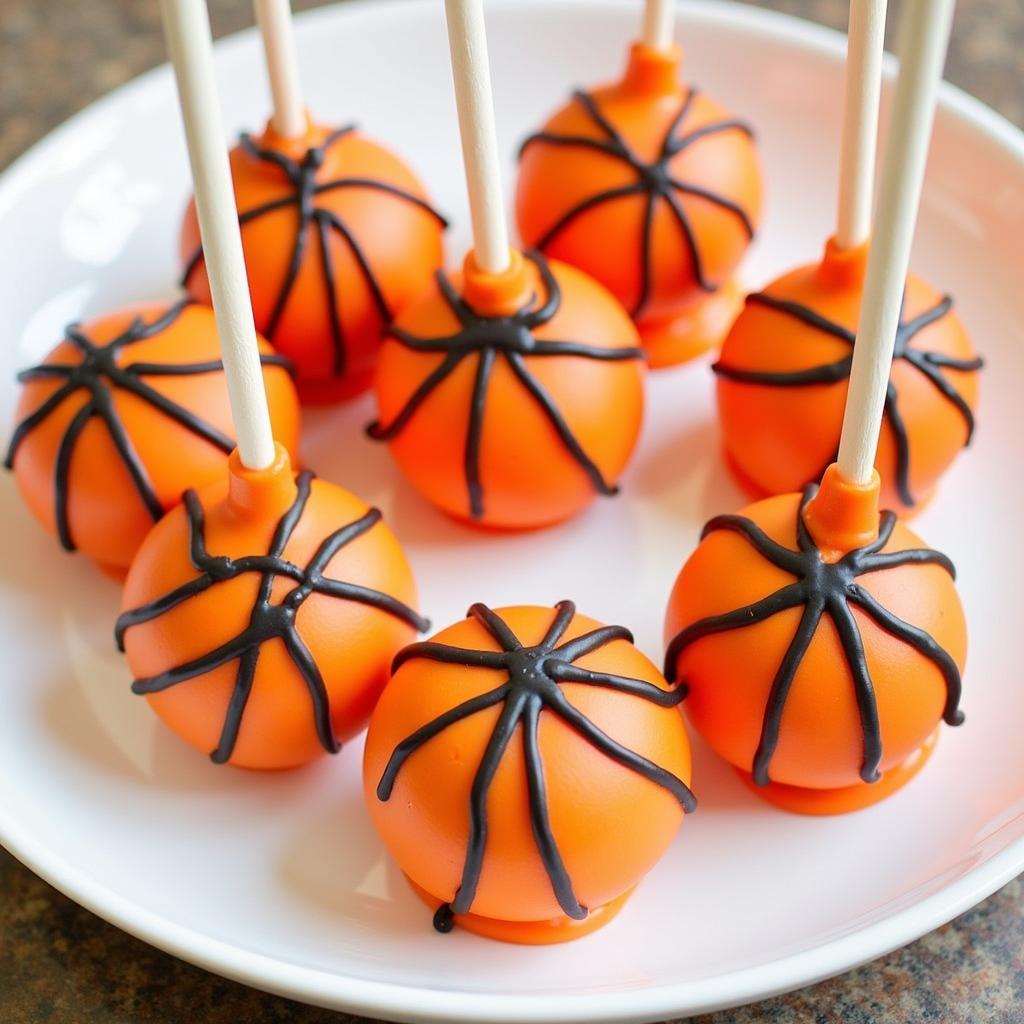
(415, 1003)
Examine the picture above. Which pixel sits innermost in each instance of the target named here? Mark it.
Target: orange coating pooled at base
(397, 236)
(610, 824)
(779, 437)
(351, 643)
(528, 476)
(107, 518)
(530, 933)
(675, 276)
(821, 741)
(845, 799)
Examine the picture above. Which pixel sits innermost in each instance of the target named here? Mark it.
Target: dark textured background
(61, 965)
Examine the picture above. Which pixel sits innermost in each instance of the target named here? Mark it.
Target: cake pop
(338, 233)
(784, 368)
(812, 665)
(123, 415)
(513, 394)
(259, 617)
(822, 643)
(652, 188)
(522, 838)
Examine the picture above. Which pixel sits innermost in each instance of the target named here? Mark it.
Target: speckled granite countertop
(61, 965)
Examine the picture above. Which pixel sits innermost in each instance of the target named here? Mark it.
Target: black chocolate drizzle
(533, 684)
(99, 373)
(654, 180)
(822, 587)
(301, 175)
(512, 338)
(928, 363)
(268, 621)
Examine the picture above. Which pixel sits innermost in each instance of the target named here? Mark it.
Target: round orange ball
(653, 189)
(764, 628)
(514, 417)
(783, 377)
(338, 236)
(608, 823)
(260, 617)
(122, 416)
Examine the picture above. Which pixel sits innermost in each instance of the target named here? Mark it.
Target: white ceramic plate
(279, 881)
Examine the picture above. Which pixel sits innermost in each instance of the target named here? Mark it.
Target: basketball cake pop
(525, 768)
(784, 369)
(260, 617)
(338, 233)
(822, 643)
(653, 189)
(513, 394)
(123, 415)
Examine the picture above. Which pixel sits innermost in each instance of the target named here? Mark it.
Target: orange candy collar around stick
(122, 416)
(262, 615)
(820, 644)
(783, 377)
(512, 399)
(655, 191)
(338, 236)
(508, 759)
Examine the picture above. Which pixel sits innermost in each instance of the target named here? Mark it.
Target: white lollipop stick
(865, 40)
(658, 24)
(275, 21)
(471, 72)
(187, 31)
(924, 37)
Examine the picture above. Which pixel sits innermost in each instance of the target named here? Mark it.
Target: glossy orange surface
(107, 518)
(730, 674)
(611, 824)
(609, 239)
(528, 476)
(400, 242)
(779, 438)
(351, 643)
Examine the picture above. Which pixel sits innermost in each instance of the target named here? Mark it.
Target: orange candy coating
(821, 743)
(610, 824)
(528, 476)
(351, 643)
(107, 517)
(778, 438)
(677, 316)
(399, 240)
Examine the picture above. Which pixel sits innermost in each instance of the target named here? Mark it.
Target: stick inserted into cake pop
(810, 713)
(550, 413)
(274, 18)
(471, 72)
(659, 16)
(864, 47)
(784, 371)
(862, 88)
(211, 622)
(925, 37)
(187, 33)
